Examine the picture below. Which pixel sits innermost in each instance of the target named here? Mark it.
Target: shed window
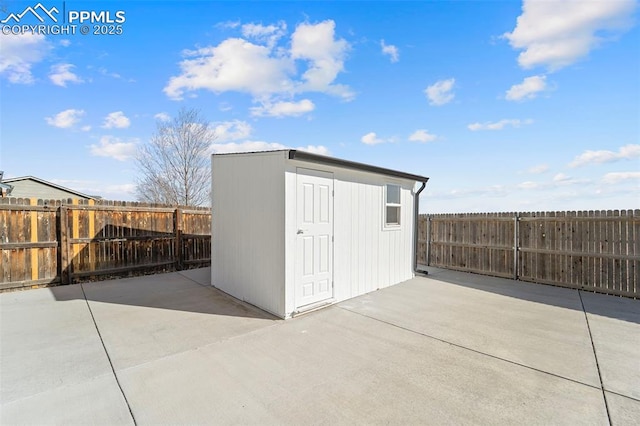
(392, 205)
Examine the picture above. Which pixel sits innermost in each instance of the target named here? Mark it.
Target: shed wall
(367, 256)
(248, 211)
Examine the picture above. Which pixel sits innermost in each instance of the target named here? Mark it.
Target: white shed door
(314, 245)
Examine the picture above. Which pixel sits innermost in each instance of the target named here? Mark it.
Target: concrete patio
(450, 348)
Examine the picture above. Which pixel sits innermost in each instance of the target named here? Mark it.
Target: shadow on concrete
(148, 258)
(615, 307)
(176, 291)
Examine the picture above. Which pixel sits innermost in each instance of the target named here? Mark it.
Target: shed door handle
(301, 231)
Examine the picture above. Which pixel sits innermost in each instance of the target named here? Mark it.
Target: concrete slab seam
(474, 350)
(595, 355)
(622, 396)
(219, 342)
(191, 279)
(115, 375)
(37, 394)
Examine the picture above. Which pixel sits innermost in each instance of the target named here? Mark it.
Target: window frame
(386, 204)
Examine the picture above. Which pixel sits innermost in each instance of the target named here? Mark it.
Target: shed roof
(295, 154)
(51, 184)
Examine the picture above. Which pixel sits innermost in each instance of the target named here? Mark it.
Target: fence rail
(592, 250)
(44, 242)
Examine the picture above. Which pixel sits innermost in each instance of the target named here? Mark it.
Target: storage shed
(293, 231)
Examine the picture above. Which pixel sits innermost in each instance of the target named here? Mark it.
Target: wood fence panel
(592, 250)
(28, 248)
(196, 237)
(48, 242)
(469, 242)
(115, 240)
(422, 248)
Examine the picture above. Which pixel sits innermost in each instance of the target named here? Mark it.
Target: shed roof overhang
(295, 154)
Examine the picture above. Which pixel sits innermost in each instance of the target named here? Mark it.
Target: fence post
(428, 240)
(516, 232)
(177, 231)
(92, 235)
(63, 244)
(34, 239)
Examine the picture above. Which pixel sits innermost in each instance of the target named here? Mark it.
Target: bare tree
(174, 167)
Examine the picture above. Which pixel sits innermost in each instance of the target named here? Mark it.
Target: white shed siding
(366, 256)
(248, 228)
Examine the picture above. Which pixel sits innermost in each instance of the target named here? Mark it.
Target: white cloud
(626, 152)
(162, 116)
(391, 50)
(233, 65)
(114, 191)
(18, 53)
(439, 93)
(616, 177)
(498, 125)
(225, 106)
(123, 192)
(255, 146)
(423, 136)
(558, 181)
(248, 146)
(283, 109)
(231, 130)
(228, 25)
(65, 119)
(85, 128)
(537, 169)
(105, 72)
(558, 33)
(561, 177)
(263, 69)
(490, 191)
(317, 44)
(528, 89)
(65, 42)
(315, 149)
(113, 147)
(371, 139)
(268, 34)
(107, 191)
(528, 185)
(61, 74)
(116, 120)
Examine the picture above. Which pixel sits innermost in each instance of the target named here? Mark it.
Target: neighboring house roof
(5, 188)
(47, 183)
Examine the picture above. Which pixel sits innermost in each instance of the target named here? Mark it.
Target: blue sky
(507, 106)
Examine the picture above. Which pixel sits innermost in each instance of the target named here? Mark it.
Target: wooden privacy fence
(46, 242)
(595, 250)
